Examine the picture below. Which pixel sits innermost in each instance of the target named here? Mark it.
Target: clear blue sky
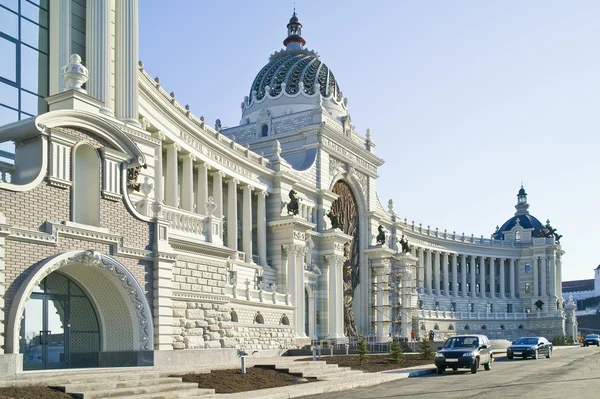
(464, 99)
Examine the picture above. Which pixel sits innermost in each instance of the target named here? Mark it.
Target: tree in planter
(396, 352)
(426, 349)
(361, 348)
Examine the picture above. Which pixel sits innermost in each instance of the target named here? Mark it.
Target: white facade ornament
(210, 206)
(75, 74)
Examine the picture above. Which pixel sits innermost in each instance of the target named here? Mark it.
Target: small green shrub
(426, 349)
(559, 340)
(396, 352)
(361, 348)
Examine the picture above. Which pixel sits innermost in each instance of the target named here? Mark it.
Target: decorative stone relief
(335, 166)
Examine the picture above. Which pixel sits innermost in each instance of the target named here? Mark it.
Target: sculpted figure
(381, 235)
(539, 304)
(292, 206)
(404, 245)
(335, 222)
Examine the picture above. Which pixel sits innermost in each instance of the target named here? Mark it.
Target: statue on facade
(549, 231)
(539, 304)
(381, 235)
(293, 206)
(347, 250)
(132, 177)
(335, 222)
(404, 245)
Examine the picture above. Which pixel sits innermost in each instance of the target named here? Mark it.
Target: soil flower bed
(375, 363)
(32, 392)
(232, 380)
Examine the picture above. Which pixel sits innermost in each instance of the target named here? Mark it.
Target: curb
(419, 373)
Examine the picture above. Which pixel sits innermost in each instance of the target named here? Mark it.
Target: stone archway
(121, 303)
(348, 215)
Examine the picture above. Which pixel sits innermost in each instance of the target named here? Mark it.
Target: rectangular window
(472, 307)
(437, 305)
(34, 13)
(527, 268)
(9, 23)
(420, 304)
(453, 306)
(9, 96)
(10, 4)
(34, 71)
(34, 35)
(8, 66)
(509, 308)
(527, 288)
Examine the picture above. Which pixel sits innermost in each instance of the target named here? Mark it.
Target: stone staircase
(115, 384)
(307, 369)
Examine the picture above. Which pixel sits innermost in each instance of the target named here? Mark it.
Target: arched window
(423, 327)
(285, 321)
(264, 130)
(484, 327)
(86, 186)
(451, 327)
(436, 327)
(467, 327)
(259, 319)
(502, 327)
(234, 316)
(517, 235)
(520, 327)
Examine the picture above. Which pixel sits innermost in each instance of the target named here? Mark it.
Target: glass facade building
(24, 60)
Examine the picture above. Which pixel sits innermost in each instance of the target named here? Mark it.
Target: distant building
(586, 293)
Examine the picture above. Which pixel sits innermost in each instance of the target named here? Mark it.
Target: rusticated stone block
(178, 312)
(178, 345)
(195, 332)
(194, 342)
(194, 314)
(201, 323)
(228, 343)
(213, 345)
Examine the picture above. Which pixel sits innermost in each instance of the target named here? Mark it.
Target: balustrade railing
(6, 172)
(185, 222)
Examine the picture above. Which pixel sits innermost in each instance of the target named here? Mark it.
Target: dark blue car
(591, 339)
(530, 347)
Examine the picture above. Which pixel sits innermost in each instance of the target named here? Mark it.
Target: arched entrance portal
(80, 309)
(346, 210)
(59, 327)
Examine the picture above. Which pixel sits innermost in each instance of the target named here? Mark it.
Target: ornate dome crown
(522, 218)
(294, 80)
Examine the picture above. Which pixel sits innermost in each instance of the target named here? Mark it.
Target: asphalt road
(571, 373)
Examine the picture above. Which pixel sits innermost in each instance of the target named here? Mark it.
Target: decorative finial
(368, 134)
(294, 40)
(391, 206)
(218, 125)
(277, 148)
(75, 74)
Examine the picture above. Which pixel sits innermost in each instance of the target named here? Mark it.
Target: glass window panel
(7, 116)
(34, 35)
(30, 103)
(34, 13)
(9, 23)
(56, 284)
(75, 290)
(8, 66)
(12, 4)
(41, 3)
(9, 95)
(34, 71)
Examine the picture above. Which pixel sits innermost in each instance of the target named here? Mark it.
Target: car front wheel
(549, 355)
(536, 355)
(509, 357)
(475, 366)
(440, 370)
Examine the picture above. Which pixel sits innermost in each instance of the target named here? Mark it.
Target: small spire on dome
(522, 205)
(294, 40)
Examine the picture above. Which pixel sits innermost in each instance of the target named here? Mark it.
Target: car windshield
(462, 342)
(593, 336)
(527, 341)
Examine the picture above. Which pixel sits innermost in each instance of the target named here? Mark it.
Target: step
(187, 394)
(332, 373)
(62, 379)
(104, 385)
(119, 392)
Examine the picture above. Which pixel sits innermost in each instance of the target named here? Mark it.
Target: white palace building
(133, 233)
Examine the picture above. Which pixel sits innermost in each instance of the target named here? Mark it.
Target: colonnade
(480, 276)
(180, 194)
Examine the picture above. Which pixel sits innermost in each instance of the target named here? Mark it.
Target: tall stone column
(335, 300)
(445, 279)
(202, 193)
(247, 222)
(552, 273)
(421, 272)
(502, 278)
(232, 217)
(428, 270)
(381, 269)
(492, 277)
(543, 278)
(463, 275)
(218, 193)
(158, 171)
(261, 227)
(295, 285)
(187, 183)
(3, 233)
(536, 282)
(97, 51)
(126, 64)
(473, 277)
(436, 272)
(455, 274)
(512, 277)
(172, 196)
(482, 277)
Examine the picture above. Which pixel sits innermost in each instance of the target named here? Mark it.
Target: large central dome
(294, 80)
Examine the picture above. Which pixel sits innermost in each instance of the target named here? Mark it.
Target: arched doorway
(60, 327)
(347, 211)
(80, 309)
